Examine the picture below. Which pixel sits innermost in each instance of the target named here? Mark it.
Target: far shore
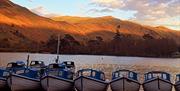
(148, 56)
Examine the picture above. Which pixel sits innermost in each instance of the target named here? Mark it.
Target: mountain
(109, 24)
(14, 17)
(20, 26)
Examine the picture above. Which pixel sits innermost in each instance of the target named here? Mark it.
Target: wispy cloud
(106, 10)
(148, 11)
(30, 0)
(108, 3)
(40, 10)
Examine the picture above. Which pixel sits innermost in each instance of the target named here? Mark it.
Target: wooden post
(58, 45)
(27, 61)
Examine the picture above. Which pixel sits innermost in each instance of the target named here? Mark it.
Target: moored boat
(124, 80)
(157, 81)
(90, 80)
(177, 84)
(3, 80)
(57, 78)
(24, 79)
(12, 67)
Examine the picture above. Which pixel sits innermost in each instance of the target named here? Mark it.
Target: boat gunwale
(24, 77)
(117, 79)
(80, 77)
(55, 77)
(151, 80)
(128, 71)
(125, 70)
(2, 78)
(177, 83)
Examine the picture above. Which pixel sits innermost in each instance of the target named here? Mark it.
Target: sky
(148, 12)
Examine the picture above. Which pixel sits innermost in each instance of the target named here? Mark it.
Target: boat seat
(31, 74)
(1, 72)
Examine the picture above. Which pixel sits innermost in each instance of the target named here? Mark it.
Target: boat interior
(124, 73)
(59, 71)
(99, 75)
(178, 78)
(15, 66)
(157, 74)
(69, 64)
(37, 64)
(31, 73)
(3, 73)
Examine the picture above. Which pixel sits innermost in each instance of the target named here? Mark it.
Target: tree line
(119, 45)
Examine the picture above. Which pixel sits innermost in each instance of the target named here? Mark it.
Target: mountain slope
(109, 24)
(15, 17)
(19, 26)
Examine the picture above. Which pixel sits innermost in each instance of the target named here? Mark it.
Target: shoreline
(166, 57)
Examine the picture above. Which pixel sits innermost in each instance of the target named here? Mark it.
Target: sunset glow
(149, 12)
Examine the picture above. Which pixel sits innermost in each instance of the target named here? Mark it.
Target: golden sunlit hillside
(109, 23)
(20, 27)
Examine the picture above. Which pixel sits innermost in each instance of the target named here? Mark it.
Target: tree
(147, 37)
(118, 36)
(51, 44)
(69, 44)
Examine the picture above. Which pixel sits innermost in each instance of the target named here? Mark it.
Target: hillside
(22, 29)
(109, 23)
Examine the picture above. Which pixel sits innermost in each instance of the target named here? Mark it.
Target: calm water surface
(107, 64)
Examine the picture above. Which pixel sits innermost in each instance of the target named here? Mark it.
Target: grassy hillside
(22, 30)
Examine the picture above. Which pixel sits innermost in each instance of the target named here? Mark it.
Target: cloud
(30, 0)
(147, 11)
(43, 12)
(100, 10)
(108, 3)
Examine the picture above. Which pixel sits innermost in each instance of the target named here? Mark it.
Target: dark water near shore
(107, 64)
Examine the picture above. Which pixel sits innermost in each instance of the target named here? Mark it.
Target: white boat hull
(21, 83)
(157, 85)
(3, 84)
(177, 86)
(90, 84)
(52, 83)
(124, 84)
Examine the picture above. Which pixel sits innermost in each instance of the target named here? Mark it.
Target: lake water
(108, 64)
